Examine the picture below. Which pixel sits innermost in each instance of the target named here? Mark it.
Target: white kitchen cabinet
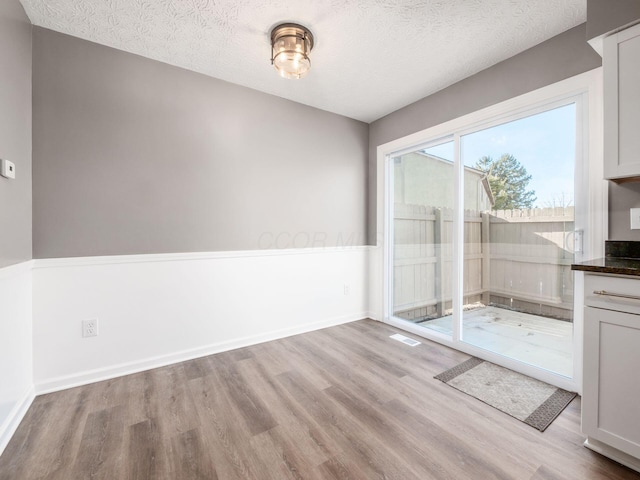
(621, 64)
(611, 382)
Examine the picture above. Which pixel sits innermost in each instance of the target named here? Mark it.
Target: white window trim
(588, 85)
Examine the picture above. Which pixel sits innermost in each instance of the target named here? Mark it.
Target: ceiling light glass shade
(290, 47)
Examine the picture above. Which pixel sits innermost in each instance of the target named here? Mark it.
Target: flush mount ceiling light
(290, 47)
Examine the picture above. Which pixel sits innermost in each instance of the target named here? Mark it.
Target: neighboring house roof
(487, 187)
(485, 180)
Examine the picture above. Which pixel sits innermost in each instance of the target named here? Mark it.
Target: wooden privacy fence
(516, 258)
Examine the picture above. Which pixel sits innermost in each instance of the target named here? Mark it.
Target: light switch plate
(635, 219)
(8, 169)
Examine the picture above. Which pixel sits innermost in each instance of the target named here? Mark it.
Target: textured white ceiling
(371, 56)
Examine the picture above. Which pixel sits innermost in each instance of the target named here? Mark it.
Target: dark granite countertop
(621, 258)
(617, 266)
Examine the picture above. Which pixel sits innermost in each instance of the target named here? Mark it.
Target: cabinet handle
(619, 295)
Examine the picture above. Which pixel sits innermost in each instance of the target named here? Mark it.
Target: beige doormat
(531, 401)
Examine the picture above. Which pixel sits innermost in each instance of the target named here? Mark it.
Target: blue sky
(544, 144)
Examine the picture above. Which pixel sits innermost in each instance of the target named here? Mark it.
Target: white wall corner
(16, 347)
(12, 422)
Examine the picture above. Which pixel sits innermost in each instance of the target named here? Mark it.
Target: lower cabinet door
(611, 383)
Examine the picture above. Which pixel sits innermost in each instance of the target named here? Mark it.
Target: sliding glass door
(483, 233)
(519, 238)
(423, 203)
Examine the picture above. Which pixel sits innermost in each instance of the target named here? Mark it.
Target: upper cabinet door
(621, 62)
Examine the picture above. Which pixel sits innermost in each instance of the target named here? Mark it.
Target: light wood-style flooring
(346, 402)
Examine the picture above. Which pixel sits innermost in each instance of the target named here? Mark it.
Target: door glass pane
(519, 237)
(423, 236)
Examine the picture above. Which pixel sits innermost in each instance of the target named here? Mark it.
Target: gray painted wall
(15, 132)
(560, 57)
(606, 15)
(621, 199)
(135, 156)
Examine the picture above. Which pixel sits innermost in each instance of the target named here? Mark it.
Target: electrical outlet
(90, 328)
(347, 289)
(7, 169)
(635, 218)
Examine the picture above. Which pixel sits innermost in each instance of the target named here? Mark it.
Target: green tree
(508, 180)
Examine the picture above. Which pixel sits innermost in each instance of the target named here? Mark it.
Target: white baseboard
(613, 453)
(12, 422)
(98, 375)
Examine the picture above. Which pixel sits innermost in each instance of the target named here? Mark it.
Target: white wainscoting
(154, 310)
(16, 377)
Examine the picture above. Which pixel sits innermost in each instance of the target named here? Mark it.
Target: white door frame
(588, 86)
